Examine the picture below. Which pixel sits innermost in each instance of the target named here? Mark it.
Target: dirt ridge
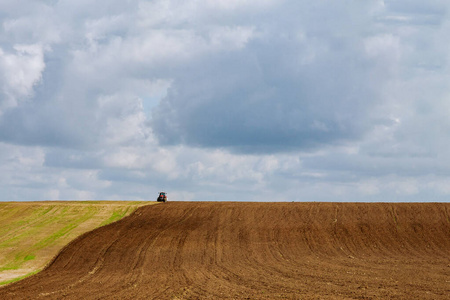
(253, 250)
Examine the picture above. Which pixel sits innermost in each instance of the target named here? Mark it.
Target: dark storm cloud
(286, 90)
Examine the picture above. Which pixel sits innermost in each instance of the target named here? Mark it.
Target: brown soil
(39, 230)
(208, 250)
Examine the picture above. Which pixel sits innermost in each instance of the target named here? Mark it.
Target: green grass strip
(19, 278)
(117, 215)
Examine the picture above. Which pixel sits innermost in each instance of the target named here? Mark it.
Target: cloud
(284, 90)
(20, 71)
(221, 100)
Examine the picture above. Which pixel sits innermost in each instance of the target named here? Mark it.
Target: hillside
(32, 233)
(207, 250)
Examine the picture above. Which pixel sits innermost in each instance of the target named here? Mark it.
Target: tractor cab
(162, 197)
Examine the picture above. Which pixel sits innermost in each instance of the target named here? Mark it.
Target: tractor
(162, 197)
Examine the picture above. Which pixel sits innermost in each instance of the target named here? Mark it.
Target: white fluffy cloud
(20, 71)
(225, 100)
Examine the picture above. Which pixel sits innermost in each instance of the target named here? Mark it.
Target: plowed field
(32, 233)
(207, 250)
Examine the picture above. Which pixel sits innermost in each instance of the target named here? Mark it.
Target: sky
(249, 100)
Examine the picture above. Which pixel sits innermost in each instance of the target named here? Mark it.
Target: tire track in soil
(226, 250)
